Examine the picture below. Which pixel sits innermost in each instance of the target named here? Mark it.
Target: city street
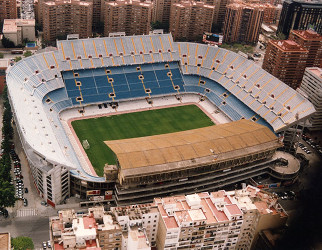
(31, 221)
(35, 227)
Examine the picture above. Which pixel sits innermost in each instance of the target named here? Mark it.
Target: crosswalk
(26, 212)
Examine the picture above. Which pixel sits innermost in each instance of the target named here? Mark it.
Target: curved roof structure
(38, 90)
(152, 154)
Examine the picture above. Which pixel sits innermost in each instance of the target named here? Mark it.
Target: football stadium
(134, 117)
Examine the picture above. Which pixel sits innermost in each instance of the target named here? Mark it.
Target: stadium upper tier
(87, 71)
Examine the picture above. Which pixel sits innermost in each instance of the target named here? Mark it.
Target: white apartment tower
(312, 86)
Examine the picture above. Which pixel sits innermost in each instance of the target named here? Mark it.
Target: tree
(7, 190)
(7, 43)
(22, 243)
(280, 36)
(158, 25)
(17, 58)
(7, 194)
(38, 27)
(27, 53)
(99, 29)
(1, 55)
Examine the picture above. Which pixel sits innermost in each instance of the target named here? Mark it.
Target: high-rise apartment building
(64, 17)
(270, 13)
(300, 15)
(129, 16)
(221, 13)
(146, 217)
(312, 86)
(217, 220)
(242, 23)
(311, 41)
(161, 10)
(189, 19)
(8, 9)
(286, 60)
(97, 12)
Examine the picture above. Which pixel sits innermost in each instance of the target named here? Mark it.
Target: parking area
(34, 202)
(308, 145)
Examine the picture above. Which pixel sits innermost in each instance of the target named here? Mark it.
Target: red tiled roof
(89, 221)
(170, 222)
(233, 209)
(221, 217)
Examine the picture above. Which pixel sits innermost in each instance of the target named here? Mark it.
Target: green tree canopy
(22, 243)
(7, 191)
(7, 43)
(17, 58)
(7, 194)
(27, 53)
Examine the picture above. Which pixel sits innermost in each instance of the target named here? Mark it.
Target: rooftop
(11, 25)
(316, 71)
(203, 145)
(4, 63)
(217, 207)
(308, 34)
(288, 45)
(5, 241)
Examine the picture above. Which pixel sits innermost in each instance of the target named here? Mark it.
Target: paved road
(35, 227)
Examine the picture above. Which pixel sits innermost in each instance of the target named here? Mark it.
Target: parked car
(25, 202)
(44, 203)
(44, 245)
(26, 190)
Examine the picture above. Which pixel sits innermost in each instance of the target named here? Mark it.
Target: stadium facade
(49, 89)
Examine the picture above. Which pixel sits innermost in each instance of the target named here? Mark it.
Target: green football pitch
(132, 125)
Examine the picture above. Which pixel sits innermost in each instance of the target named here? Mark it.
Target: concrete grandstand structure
(49, 89)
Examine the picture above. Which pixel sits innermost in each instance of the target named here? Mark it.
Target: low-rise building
(96, 230)
(5, 241)
(17, 30)
(4, 63)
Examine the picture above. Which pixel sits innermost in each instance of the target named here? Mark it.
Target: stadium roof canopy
(150, 154)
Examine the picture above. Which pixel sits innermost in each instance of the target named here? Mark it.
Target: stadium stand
(84, 72)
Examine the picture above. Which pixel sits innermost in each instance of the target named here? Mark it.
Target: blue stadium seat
(95, 86)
